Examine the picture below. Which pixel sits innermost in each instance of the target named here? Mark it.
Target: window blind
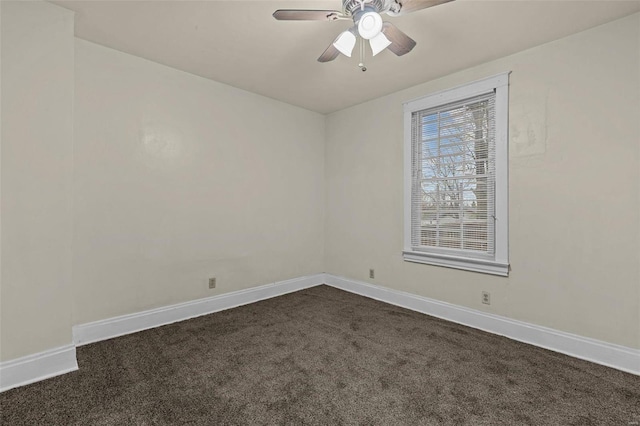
(453, 178)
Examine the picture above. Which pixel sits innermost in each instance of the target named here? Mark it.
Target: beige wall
(574, 189)
(37, 139)
(0, 183)
(178, 178)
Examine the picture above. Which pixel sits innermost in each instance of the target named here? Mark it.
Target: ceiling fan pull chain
(361, 64)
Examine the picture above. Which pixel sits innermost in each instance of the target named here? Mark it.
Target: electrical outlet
(212, 282)
(372, 273)
(486, 298)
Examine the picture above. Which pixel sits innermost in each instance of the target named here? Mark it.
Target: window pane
(453, 191)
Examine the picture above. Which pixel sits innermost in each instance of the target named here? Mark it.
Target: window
(456, 177)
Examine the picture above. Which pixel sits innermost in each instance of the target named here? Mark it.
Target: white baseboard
(40, 366)
(599, 352)
(36, 367)
(126, 324)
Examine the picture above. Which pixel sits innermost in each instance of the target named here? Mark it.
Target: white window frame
(499, 265)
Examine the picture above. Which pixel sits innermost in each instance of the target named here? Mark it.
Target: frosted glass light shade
(345, 43)
(379, 43)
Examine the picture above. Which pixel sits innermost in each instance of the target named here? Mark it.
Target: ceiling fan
(367, 22)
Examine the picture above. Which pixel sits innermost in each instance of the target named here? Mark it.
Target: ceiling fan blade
(408, 6)
(307, 15)
(400, 42)
(330, 54)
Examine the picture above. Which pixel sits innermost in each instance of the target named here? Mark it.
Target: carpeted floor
(324, 356)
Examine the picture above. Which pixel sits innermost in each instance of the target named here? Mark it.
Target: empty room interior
(320, 212)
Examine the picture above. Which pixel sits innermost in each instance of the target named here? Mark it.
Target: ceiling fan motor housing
(354, 7)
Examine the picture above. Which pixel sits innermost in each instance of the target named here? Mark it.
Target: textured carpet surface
(324, 356)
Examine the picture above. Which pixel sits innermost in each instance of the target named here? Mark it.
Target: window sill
(467, 264)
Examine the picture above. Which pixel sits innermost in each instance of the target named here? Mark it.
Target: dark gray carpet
(324, 356)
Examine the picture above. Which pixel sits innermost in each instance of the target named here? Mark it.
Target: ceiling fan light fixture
(379, 43)
(345, 43)
(369, 25)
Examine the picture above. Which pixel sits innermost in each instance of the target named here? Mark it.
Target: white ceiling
(240, 44)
